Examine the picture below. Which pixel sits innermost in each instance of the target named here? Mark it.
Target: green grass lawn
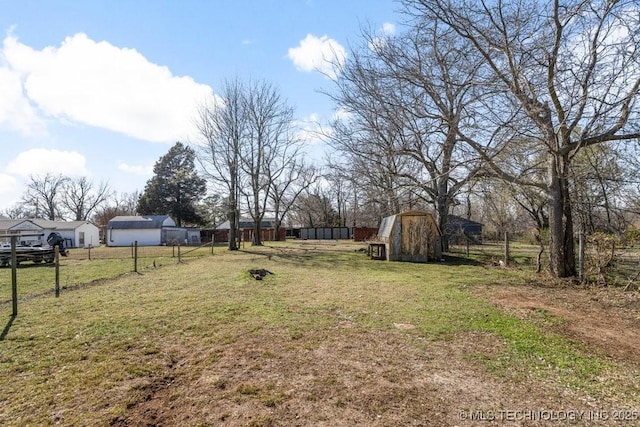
(75, 357)
(83, 266)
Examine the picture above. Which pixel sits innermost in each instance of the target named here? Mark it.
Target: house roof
(138, 222)
(459, 221)
(37, 223)
(18, 224)
(59, 225)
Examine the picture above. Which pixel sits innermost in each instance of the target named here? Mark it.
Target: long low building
(149, 230)
(34, 232)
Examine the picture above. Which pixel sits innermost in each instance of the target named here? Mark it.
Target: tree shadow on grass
(459, 260)
(352, 259)
(297, 256)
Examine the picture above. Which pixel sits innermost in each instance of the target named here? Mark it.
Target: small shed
(411, 236)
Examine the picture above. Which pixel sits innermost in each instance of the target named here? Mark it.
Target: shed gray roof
(137, 222)
(386, 226)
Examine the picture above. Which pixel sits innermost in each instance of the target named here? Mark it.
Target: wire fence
(606, 261)
(84, 267)
(133, 251)
(520, 254)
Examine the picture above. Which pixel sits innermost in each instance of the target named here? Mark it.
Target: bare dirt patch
(604, 319)
(342, 376)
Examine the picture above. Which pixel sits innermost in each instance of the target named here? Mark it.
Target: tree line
(513, 113)
(56, 197)
(533, 102)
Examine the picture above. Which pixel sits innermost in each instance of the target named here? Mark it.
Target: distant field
(330, 338)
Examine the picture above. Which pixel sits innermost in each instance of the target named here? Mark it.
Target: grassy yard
(83, 266)
(330, 338)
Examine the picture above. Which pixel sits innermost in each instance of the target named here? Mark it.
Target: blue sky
(104, 88)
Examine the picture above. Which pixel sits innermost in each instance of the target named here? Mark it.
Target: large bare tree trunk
(561, 246)
(257, 226)
(233, 219)
(442, 206)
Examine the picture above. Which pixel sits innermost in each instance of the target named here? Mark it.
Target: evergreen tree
(175, 188)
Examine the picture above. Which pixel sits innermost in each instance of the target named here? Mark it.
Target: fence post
(506, 249)
(89, 252)
(56, 251)
(179, 257)
(212, 244)
(581, 257)
(467, 244)
(135, 256)
(14, 275)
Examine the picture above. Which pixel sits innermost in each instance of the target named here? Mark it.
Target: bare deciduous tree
(572, 73)
(221, 128)
(44, 195)
(116, 205)
(19, 211)
(600, 179)
(81, 197)
(314, 209)
(268, 146)
(407, 95)
(249, 148)
(288, 179)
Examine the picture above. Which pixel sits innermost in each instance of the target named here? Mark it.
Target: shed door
(415, 238)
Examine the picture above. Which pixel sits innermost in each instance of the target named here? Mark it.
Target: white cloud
(10, 190)
(388, 28)
(318, 54)
(7, 183)
(40, 161)
(16, 113)
(140, 170)
(98, 84)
